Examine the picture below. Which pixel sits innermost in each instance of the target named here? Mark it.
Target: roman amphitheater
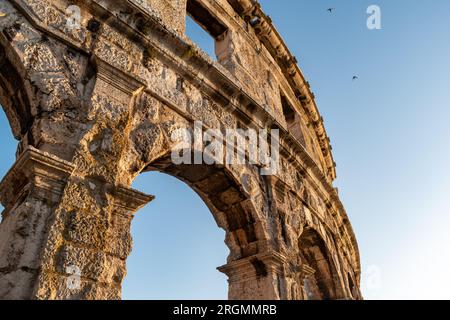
(93, 90)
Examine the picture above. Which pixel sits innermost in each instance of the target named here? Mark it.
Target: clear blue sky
(390, 133)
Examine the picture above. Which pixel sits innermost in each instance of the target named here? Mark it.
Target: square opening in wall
(203, 28)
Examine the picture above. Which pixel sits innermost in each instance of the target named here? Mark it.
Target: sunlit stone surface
(93, 94)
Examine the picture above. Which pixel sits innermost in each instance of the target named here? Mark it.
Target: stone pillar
(258, 277)
(29, 192)
(308, 283)
(63, 236)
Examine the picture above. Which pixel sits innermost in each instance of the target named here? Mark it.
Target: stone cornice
(246, 268)
(307, 270)
(33, 162)
(36, 22)
(129, 199)
(49, 174)
(44, 171)
(120, 80)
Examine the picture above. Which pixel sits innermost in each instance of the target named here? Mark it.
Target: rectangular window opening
(288, 111)
(292, 119)
(203, 28)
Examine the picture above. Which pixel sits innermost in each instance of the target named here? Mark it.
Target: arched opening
(15, 114)
(352, 286)
(177, 245)
(318, 267)
(9, 146)
(210, 190)
(15, 91)
(204, 29)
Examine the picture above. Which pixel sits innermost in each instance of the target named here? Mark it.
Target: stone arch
(235, 194)
(85, 135)
(226, 197)
(237, 206)
(15, 90)
(318, 267)
(353, 287)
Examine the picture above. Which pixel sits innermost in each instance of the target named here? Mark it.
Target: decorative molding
(129, 199)
(307, 270)
(118, 79)
(44, 172)
(244, 269)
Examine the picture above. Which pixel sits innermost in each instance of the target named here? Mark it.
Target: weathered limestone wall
(170, 13)
(95, 106)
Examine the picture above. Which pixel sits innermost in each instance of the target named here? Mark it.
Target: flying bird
(330, 10)
(355, 78)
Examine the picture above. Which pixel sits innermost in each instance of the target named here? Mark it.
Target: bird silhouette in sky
(330, 10)
(355, 78)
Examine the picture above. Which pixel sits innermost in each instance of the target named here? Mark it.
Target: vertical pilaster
(30, 192)
(63, 236)
(259, 277)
